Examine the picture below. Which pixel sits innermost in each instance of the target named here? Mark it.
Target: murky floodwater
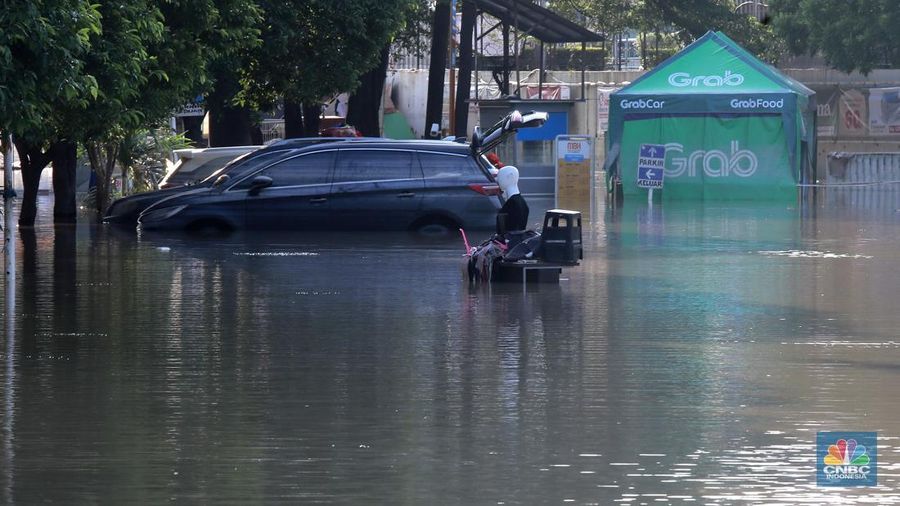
(691, 358)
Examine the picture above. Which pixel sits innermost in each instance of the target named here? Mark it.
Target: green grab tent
(733, 127)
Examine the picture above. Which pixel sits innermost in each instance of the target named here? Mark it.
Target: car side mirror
(221, 180)
(258, 183)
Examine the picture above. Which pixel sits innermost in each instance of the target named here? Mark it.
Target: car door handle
(405, 195)
(319, 200)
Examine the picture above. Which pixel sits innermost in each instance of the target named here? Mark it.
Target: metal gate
(862, 168)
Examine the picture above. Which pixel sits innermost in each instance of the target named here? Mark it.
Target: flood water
(691, 358)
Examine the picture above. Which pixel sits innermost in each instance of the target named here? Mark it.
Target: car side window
(442, 166)
(356, 165)
(306, 170)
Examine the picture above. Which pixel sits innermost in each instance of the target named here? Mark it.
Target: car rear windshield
(250, 161)
(184, 174)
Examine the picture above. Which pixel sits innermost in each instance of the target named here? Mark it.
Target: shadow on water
(692, 355)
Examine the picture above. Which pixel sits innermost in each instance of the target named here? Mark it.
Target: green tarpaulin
(732, 126)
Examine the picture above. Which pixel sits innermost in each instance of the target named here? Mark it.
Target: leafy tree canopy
(850, 34)
(417, 18)
(314, 48)
(152, 56)
(688, 19)
(42, 43)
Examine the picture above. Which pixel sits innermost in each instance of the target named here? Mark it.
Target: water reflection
(677, 364)
(9, 352)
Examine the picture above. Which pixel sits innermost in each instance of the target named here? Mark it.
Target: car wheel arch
(440, 218)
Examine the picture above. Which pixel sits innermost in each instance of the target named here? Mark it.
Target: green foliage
(142, 157)
(151, 57)
(608, 17)
(315, 48)
(850, 34)
(696, 17)
(413, 36)
(687, 19)
(42, 43)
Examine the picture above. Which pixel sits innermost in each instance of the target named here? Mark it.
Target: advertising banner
(720, 157)
(603, 108)
(827, 110)
(884, 111)
(574, 172)
(192, 108)
(853, 120)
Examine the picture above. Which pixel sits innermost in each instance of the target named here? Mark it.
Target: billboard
(884, 111)
(853, 120)
(827, 98)
(603, 108)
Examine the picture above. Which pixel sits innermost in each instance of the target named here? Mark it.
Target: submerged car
(196, 164)
(378, 184)
(125, 211)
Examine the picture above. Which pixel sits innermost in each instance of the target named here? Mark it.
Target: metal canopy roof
(537, 21)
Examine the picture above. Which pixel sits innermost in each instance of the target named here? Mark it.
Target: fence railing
(844, 168)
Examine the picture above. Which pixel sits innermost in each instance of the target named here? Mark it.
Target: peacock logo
(846, 452)
(847, 459)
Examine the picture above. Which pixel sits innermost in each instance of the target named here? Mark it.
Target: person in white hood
(515, 208)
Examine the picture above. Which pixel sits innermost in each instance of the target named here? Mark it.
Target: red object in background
(485, 189)
(495, 160)
(340, 131)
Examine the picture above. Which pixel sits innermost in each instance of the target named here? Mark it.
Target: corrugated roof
(537, 21)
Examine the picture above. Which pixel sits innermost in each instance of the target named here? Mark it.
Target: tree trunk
(32, 160)
(440, 38)
(103, 162)
(65, 160)
(465, 68)
(311, 116)
(365, 102)
(193, 130)
(293, 120)
(256, 135)
(229, 125)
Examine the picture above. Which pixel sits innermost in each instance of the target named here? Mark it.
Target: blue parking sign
(651, 166)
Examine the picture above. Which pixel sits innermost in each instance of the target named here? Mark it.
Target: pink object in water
(466, 241)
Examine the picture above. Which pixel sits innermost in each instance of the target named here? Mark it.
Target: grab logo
(757, 103)
(683, 79)
(642, 104)
(713, 163)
